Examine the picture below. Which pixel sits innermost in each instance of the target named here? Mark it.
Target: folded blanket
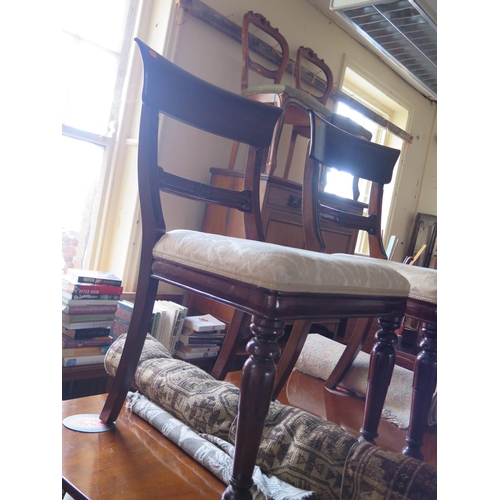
(213, 453)
(297, 447)
(319, 357)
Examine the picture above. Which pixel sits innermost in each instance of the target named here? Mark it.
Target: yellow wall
(215, 57)
(209, 54)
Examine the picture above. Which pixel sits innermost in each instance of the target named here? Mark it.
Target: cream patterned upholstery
(423, 281)
(280, 268)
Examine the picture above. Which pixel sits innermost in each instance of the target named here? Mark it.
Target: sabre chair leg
(382, 360)
(424, 385)
(256, 388)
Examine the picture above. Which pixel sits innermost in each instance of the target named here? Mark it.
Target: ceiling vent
(403, 33)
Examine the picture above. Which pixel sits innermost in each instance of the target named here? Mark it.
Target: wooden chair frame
(374, 163)
(170, 90)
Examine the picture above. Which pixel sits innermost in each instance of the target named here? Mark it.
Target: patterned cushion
(373, 473)
(280, 268)
(297, 447)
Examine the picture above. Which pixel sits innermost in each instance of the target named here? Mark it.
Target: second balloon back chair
(295, 101)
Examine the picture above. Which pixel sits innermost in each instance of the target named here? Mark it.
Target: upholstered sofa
(298, 448)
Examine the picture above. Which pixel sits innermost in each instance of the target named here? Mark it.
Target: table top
(132, 461)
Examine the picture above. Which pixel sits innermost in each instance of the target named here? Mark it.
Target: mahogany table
(130, 462)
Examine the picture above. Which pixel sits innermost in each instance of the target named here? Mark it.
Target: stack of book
(201, 337)
(89, 303)
(165, 325)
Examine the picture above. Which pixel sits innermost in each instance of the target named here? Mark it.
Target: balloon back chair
(295, 101)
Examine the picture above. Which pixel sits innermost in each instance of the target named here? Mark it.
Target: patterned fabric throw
(305, 451)
(213, 453)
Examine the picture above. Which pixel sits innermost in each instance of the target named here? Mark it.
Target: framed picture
(424, 233)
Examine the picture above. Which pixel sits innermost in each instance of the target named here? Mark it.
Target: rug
(320, 355)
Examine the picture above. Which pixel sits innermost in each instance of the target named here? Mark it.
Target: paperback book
(84, 351)
(87, 318)
(93, 301)
(95, 277)
(172, 326)
(204, 340)
(122, 318)
(88, 325)
(84, 308)
(203, 323)
(70, 343)
(195, 355)
(197, 349)
(66, 295)
(85, 333)
(73, 286)
(83, 360)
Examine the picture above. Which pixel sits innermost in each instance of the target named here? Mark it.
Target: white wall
(215, 57)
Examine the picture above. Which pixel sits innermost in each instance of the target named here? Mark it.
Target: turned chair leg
(424, 385)
(382, 360)
(256, 388)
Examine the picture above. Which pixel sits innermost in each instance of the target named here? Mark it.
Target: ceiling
(403, 33)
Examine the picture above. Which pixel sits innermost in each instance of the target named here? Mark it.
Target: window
(95, 41)
(340, 183)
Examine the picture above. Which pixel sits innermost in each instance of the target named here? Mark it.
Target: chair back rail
(331, 146)
(308, 54)
(207, 107)
(249, 41)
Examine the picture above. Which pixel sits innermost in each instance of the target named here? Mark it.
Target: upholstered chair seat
(279, 268)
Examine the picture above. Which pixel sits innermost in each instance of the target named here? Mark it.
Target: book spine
(70, 343)
(95, 301)
(178, 332)
(93, 289)
(83, 360)
(86, 333)
(189, 340)
(173, 332)
(89, 309)
(85, 325)
(195, 355)
(84, 351)
(91, 296)
(87, 318)
(190, 331)
(99, 281)
(188, 348)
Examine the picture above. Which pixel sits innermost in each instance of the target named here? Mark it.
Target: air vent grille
(403, 33)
